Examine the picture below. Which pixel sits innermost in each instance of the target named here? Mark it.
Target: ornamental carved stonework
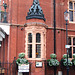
(35, 28)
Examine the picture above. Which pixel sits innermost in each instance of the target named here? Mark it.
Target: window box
(64, 61)
(53, 61)
(22, 63)
(73, 60)
(23, 68)
(21, 59)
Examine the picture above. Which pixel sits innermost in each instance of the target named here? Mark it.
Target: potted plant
(73, 60)
(21, 59)
(53, 61)
(23, 64)
(64, 61)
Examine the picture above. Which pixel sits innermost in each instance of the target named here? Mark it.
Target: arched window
(72, 11)
(38, 45)
(74, 41)
(30, 38)
(38, 36)
(30, 45)
(35, 45)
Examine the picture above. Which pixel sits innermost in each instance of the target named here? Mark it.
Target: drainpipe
(54, 30)
(54, 35)
(3, 51)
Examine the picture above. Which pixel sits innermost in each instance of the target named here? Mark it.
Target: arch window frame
(29, 45)
(34, 30)
(71, 10)
(38, 45)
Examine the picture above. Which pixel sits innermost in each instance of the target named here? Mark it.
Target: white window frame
(73, 1)
(42, 32)
(71, 36)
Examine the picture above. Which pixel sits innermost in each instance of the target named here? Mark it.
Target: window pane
(74, 6)
(69, 40)
(74, 50)
(0, 15)
(30, 51)
(74, 41)
(70, 52)
(74, 16)
(38, 38)
(29, 38)
(70, 5)
(0, 11)
(71, 15)
(38, 51)
(0, 1)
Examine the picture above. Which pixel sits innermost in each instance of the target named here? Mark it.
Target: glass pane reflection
(69, 40)
(30, 38)
(70, 5)
(74, 41)
(30, 51)
(71, 15)
(38, 51)
(38, 38)
(70, 52)
(74, 50)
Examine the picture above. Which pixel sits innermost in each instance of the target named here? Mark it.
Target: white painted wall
(6, 28)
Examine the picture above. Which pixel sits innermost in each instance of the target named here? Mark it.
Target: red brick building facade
(20, 27)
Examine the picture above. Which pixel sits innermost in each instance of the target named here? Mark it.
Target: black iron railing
(8, 68)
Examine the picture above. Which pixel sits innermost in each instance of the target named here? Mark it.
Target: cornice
(36, 24)
(63, 29)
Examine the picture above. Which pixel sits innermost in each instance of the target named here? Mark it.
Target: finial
(35, 11)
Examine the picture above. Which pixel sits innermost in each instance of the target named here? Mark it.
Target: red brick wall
(2, 51)
(49, 43)
(37, 70)
(18, 12)
(17, 41)
(6, 48)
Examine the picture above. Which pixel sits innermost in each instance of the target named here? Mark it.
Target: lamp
(66, 17)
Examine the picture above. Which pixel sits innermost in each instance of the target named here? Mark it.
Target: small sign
(38, 64)
(23, 68)
(67, 46)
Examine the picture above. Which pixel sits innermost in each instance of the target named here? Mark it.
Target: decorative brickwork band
(35, 11)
